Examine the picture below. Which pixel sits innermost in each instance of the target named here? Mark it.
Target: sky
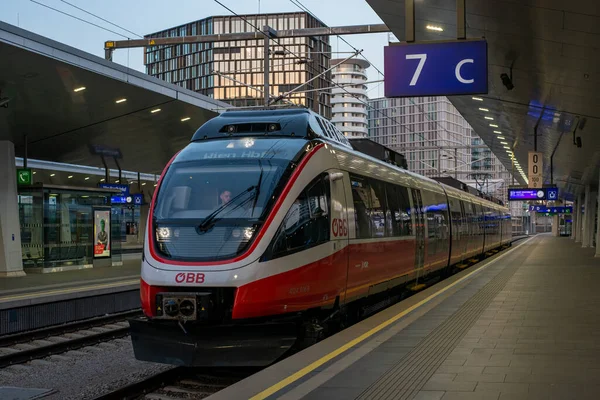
(147, 16)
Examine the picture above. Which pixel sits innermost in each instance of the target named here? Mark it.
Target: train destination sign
(436, 68)
(521, 194)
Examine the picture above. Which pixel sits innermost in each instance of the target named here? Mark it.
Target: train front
(205, 234)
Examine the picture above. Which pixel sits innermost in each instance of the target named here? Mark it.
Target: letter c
(457, 70)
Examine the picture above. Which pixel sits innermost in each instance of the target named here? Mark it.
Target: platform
(523, 324)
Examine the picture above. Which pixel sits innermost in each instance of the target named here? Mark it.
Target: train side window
(361, 201)
(306, 224)
(398, 214)
(377, 209)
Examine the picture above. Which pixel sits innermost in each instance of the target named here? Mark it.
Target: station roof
(552, 46)
(41, 78)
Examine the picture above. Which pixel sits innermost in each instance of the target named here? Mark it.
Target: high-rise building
(437, 141)
(349, 109)
(195, 66)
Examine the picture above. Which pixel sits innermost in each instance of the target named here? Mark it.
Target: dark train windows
(380, 209)
(377, 209)
(398, 215)
(362, 201)
(437, 223)
(307, 222)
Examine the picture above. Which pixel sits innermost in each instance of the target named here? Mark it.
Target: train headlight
(163, 233)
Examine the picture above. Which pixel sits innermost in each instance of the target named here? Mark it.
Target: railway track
(27, 346)
(180, 382)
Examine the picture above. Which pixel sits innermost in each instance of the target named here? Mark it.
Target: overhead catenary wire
(100, 18)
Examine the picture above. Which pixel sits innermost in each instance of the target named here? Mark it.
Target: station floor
(523, 324)
(51, 286)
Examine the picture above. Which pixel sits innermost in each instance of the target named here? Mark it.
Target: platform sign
(535, 170)
(135, 199)
(551, 210)
(24, 176)
(101, 233)
(524, 194)
(436, 68)
(123, 188)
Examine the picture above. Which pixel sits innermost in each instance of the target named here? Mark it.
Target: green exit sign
(24, 176)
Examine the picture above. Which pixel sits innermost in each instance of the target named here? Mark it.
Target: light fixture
(501, 137)
(185, 119)
(87, 177)
(34, 172)
(435, 28)
(155, 110)
(493, 125)
(506, 147)
(477, 98)
(79, 89)
(143, 183)
(503, 143)
(70, 176)
(498, 132)
(117, 181)
(490, 118)
(483, 109)
(121, 101)
(52, 174)
(102, 180)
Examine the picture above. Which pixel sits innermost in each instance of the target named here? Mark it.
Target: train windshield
(212, 201)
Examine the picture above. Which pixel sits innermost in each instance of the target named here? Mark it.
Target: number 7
(421, 58)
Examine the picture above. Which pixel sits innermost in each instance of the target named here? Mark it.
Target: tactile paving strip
(406, 378)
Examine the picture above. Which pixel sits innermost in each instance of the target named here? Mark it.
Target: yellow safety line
(68, 290)
(309, 368)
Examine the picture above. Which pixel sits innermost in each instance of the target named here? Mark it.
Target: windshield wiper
(205, 225)
(257, 187)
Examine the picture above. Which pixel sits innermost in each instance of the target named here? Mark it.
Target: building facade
(437, 141)
(349, 112)
(202, 66)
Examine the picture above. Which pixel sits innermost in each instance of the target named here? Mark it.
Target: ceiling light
(484, 109)
(490, 118)
(155, 110)
(87, 177)
(52, 174)
(79, 89)
(493, 125)
(102, 180)
(506, 147)
(156, 184)
(117, 181)
(503, 143)
(498, 132)
(500, 137)
(143, 183)
(121, 101)
(435, 28)
(185, 119)
(34, 172)
(70, 176)
(477, 98)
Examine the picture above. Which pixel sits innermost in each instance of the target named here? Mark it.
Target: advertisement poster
(101, 233)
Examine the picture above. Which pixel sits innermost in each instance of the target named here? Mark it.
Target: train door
(340, 225)
(465, 233)
(419, 229)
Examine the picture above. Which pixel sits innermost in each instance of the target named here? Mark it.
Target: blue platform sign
(436, 69)
(551, 210)
(523, 194)
(135, 199)
(123, 188)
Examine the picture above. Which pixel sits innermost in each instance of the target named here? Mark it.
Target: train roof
(302, 123)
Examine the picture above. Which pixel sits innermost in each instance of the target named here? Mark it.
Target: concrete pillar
(573, 220)
(577, 228)
(588, 222)
(555, 225)
(11, 259)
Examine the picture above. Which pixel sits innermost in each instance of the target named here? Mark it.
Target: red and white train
(269, 220)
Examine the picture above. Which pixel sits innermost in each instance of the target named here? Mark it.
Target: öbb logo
(189, 277)
(339, 227)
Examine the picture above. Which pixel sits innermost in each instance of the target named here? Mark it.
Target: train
(269, 225)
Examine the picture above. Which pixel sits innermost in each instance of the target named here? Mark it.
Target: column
(598, 231)
(574, 218)
(579, 219)
(555, 225)
(11, 259)
(586, 217)
(592, 218)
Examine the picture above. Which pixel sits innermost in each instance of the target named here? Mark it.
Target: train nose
(171, 307)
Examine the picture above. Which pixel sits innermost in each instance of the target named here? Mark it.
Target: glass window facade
(192, 66)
